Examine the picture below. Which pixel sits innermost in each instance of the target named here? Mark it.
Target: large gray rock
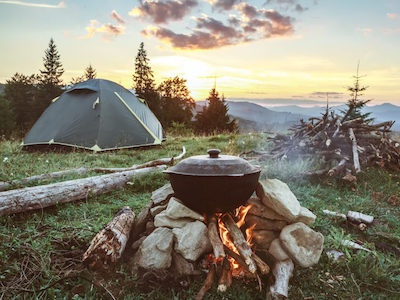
(191, 241)
(260, 223)
(163, 220)
(276, 250)
(302, 244)
(277, 195)
(155, 252)
(264, 238)
(162, 194)
(259, 209)
(306, 216)
(177, 210)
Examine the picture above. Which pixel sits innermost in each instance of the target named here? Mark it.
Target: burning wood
(240, 242)
(218, 246)
(225, 280)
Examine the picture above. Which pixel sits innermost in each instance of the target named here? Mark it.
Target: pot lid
(213, 164)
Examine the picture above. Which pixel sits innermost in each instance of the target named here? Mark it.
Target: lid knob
(214, 153)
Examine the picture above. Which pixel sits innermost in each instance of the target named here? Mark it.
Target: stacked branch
(343, 145)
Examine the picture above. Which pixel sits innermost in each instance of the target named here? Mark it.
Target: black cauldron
(213, 183)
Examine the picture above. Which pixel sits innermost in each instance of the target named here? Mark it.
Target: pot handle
(214, 153)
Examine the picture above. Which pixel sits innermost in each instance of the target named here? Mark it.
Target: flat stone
(157, 209)
(276, 250)
(191, 241)
(162, 194)
(177, 210)
(306, 216)
(163, 220)
(155, 252)
(259, 209)
(277, 195)
(261, 223)
(302, 244)
(182, 267)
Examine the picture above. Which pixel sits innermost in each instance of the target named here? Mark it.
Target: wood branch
(282, 271)
(237, 258)
(213, 234)
(207, 283)
(340, 166)
(225, 280)
(261, 265)
(356, 160)
(107, 246)
(38, 197)
(240, 242)
(8, 185)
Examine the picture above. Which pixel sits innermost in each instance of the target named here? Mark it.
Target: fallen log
(107, 246)
(4, 185)
(38, 197)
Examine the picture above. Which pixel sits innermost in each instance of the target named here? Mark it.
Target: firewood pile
(166, 241)
(342, 144)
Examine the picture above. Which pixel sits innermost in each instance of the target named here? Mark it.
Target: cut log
(356, 161)
(240, 242)
(8, 185)
(262, 266)
(107, 246)
(38, 197)
(213, 235)
(282, 271)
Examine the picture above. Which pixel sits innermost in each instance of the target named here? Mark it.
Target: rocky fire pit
(268, 237)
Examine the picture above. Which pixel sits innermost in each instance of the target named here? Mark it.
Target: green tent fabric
(99, 115)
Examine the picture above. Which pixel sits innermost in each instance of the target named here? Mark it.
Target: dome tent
(99, 115)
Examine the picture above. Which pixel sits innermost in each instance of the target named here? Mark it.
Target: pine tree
(354, 103)
(50, 79)
(214, 117)
(53, 70)
(90, 73)
(143, 78)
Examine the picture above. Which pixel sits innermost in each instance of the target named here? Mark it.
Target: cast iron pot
(213, 183)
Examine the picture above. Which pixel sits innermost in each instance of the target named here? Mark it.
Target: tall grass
(40, 251)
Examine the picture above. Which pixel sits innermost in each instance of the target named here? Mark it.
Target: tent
(99, 115)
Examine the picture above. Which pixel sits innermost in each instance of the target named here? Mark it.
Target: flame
(240, 214)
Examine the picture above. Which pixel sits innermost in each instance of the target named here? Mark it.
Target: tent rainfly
(98, 115)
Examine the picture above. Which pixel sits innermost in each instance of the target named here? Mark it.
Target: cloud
(163, 11)
(117, 17)
(39, 5)
(392, 15)
(252, 24)
(224, 4)
(107, 30)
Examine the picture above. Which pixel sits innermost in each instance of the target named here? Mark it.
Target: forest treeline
(25, 97)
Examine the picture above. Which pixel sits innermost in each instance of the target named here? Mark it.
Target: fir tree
(90, 73)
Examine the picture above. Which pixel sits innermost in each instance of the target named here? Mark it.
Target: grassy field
(40, 251)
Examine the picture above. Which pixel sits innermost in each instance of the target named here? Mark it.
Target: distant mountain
(254, 117)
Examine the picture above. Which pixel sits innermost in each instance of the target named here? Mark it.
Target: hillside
(254, 117)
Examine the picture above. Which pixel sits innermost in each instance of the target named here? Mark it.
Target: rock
(277, 195)
(163, 193)
(177, 210)
(306, 216)
(163, 220)
(263, 238)
(264, 224)
(157, 209)
(259, 209)
(302, 244)
(181, 267)
(191, 241)
(276, 250)
(155, 250)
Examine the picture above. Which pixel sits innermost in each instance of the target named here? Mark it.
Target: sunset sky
(290, 49)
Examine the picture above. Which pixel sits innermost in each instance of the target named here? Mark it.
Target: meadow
(41, 251)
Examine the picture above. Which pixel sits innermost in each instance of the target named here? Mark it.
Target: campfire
(262, 240)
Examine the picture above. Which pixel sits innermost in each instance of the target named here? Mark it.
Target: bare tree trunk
(38, 197)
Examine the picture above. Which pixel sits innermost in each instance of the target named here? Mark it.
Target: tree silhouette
(214, 116)
(176, 105)
(90, 73)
